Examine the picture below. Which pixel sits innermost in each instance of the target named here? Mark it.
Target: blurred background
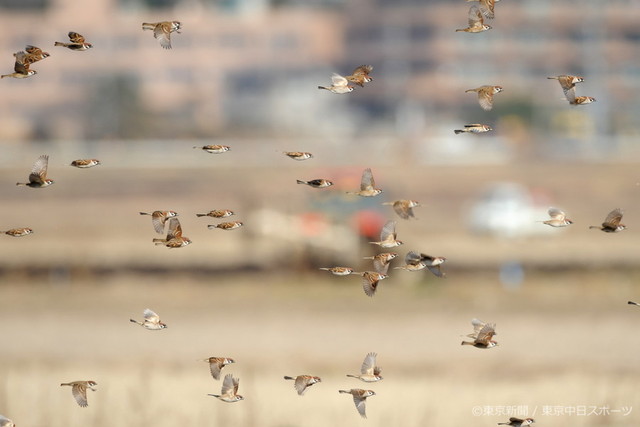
(244, 73)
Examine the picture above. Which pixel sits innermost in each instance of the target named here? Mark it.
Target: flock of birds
(167, 221)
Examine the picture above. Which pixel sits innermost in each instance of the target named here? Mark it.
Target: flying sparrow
(224, 213)
(582, 100)
(302, 382)
(474, 128)
(558, 218)
(151, 321)
(568, 84)
(229, 391)
(339, 84)
(381, 261)
(369, 372)
(367, 185)
(6, 422)
(359, 398)
(404, 208)
(162, 31)
(370, 281)
(388, 236)
(316, 183)
(486, 8)
(38, 175)
(415, 261)
(34, 54)
(339, 271)
(517, 422)
(482, 335)
(485, 95)
(298, 155)
(174, 237)
(77, 42)
(611, 223)
(214, 149)
(79, 390)
(232, 225)
(17, 232)
(216, 364)
(159, 218)
(476, 22)
(85, 163)
(360, 75)
(21, 67)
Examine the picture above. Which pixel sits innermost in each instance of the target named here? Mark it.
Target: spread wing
(360, 405)
(556, 213)
(39, 170)
(338, 80)
(369, 284)
(150, 315)
(76, 38)
(486, 333)
(79, 392)
(412, 258)
(158, 220)
(388, 230)
(475, 17)
(380, 265)
(215, 366)
(613, 219)
(175, 230)
(229, 385)
(485, 98)
(367, 182)
(162, 33)
(487, 8)
(301, 384)
(369, 364)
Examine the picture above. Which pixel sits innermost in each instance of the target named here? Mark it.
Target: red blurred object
(369, 223)
(313, 224)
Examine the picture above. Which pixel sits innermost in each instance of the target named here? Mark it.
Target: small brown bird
(316, 183)
(611, 223)
(360, 75)
(388, 236)
(370, 280)
(85, 163)
(79, 390)
(482, 335)
(582, 100)
(6, 422)
(367, 185)
(404, 208)
(474, 128)
(558, 218)
(77, 42)
(339, 271)
(416, 261)
(162, 31)
(476, 22)
(339, 85)
(18, 232)
(214, 149)
(38, 176)
(298, 155)
(216, 364)
(222, 213)
(568, 84)
(159, 218)
(151, 321)
(359, 398)
(34, 54)
(369, 372)
(302, 382)
(381, 261)
(485, 95)
(518, 422)
(174, 237)
(231, 225)
(486, 8)
(21, 68)
(229, 391)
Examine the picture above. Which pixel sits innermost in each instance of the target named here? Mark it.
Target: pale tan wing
(338, 80)
(570, 94)
(613, 219)
(162, 32)
(229, 385)
(301, 384)
(150, 316)
(76, 38)
(486, 333)
(369, 284)
(236, 384)
(487, 8)
(158, 221)
(435, 269)
(368, 364)
(556, 213)
(402, 209)
(79, 391)
(477, 327)
(475, 17)
(485, 98)
(367, 182)
(412, 258)
(360, 405)
(362, 70)
(39, 170)
(380, 265)
(215, 366)
(175, 230)
(388, 231)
